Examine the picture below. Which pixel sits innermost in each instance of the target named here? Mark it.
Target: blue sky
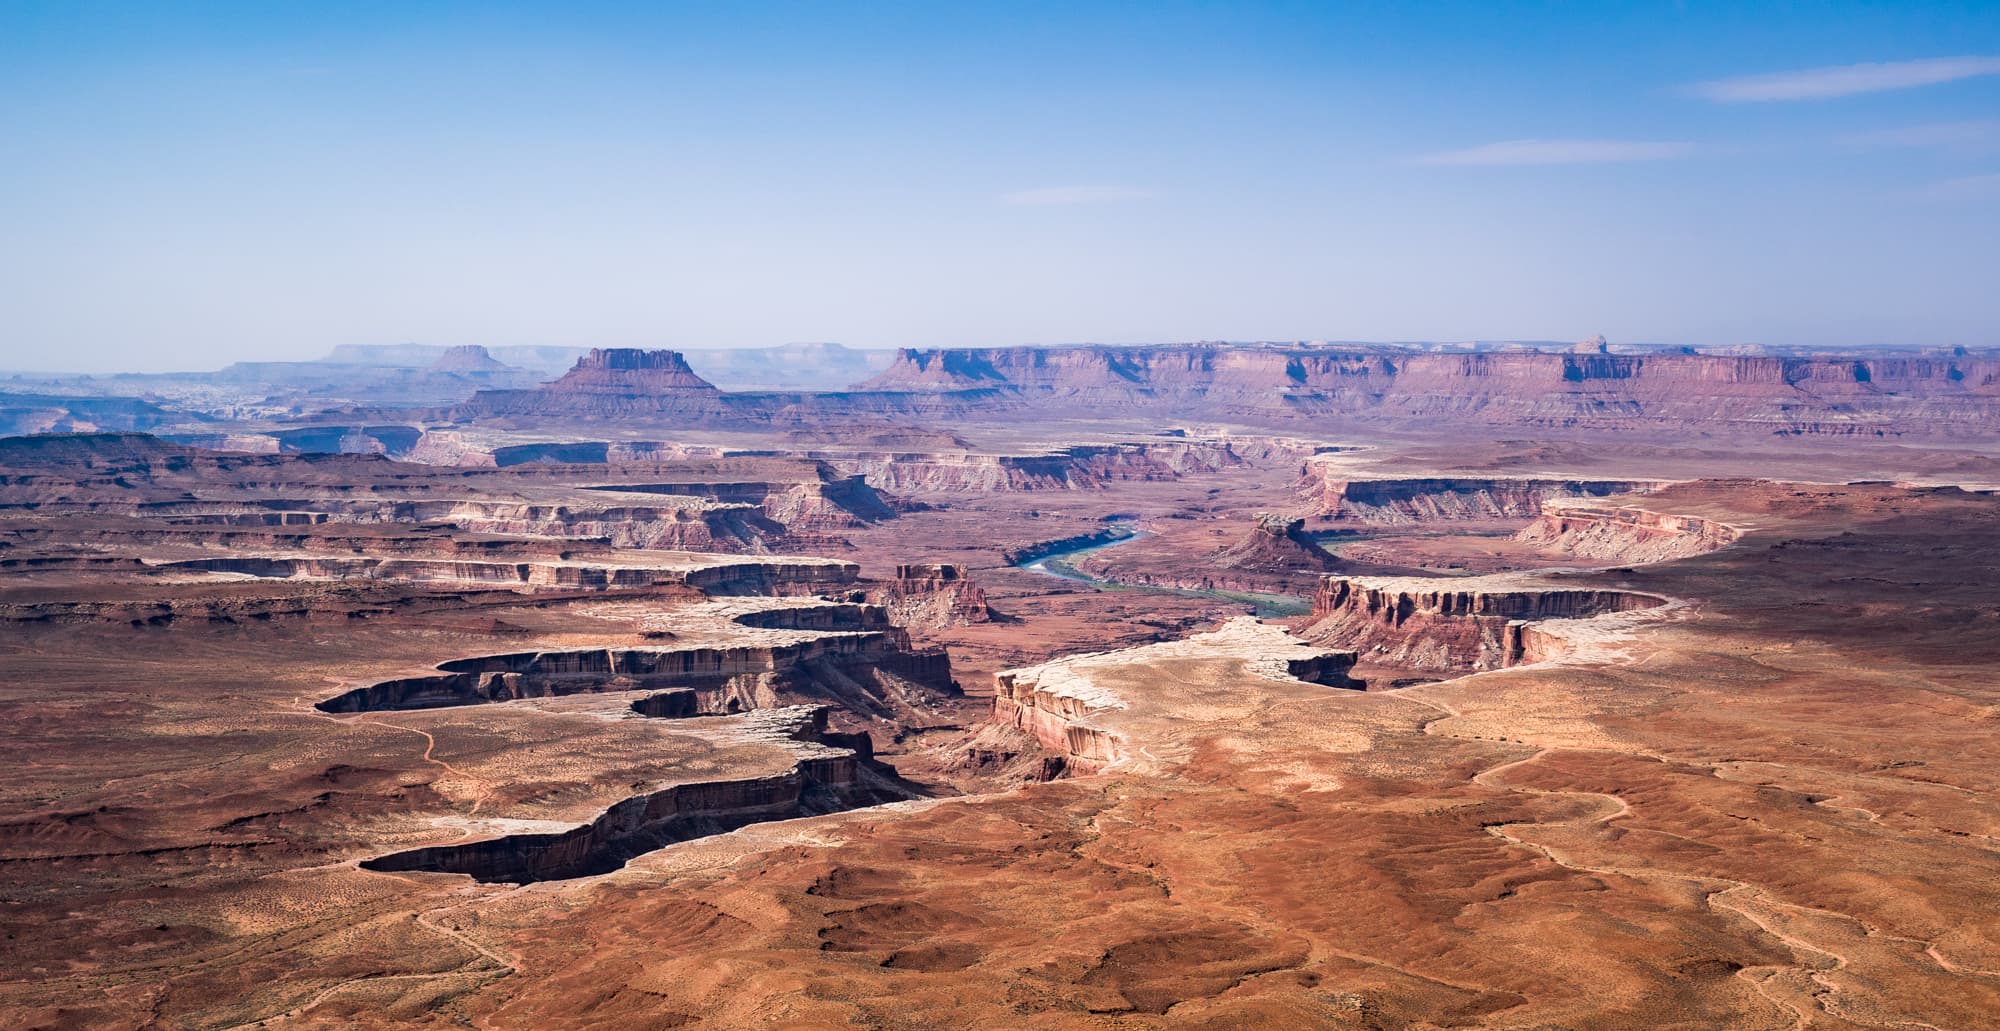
(188, 184)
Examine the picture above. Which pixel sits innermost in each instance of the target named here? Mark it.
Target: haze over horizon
(205, 183)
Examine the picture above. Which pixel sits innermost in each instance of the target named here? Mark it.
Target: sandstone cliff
(1444, 625)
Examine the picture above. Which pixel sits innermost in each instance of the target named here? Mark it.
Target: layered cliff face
(932, 596)
(1053, 705)
(1445, 625)
(725, 528)
(1624, 534)
(1324, 490)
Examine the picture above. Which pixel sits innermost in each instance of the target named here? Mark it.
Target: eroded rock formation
(1276, 544)
(932, 596)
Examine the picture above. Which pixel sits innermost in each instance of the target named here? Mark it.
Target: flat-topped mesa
(469, 358)
(629, 370)
(1624, 534)
(1443, 625)
(932, 596)
(1276, 543)
(621, 384)
(1323, 490)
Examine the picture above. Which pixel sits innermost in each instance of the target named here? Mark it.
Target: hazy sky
(183, 185)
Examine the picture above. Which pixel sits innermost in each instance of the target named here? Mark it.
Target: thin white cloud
(1844, 80)
(1965, 187)
(1973, 134)
(1050, 195)
(1559, 152)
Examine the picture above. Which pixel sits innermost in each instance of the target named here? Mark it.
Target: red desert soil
(1767, 803)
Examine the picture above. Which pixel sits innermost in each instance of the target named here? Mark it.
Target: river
(1061, 563)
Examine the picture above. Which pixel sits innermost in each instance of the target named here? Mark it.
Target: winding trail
(429, 756)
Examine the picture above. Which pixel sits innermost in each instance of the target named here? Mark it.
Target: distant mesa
(916, 369)
(1595, 345)
(629, 371)
(469, 358)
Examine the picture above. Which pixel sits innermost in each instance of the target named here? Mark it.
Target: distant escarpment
(1876, 395)
(1879, 395)
(469, 358)
(1325, 491)
(1444, 625)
